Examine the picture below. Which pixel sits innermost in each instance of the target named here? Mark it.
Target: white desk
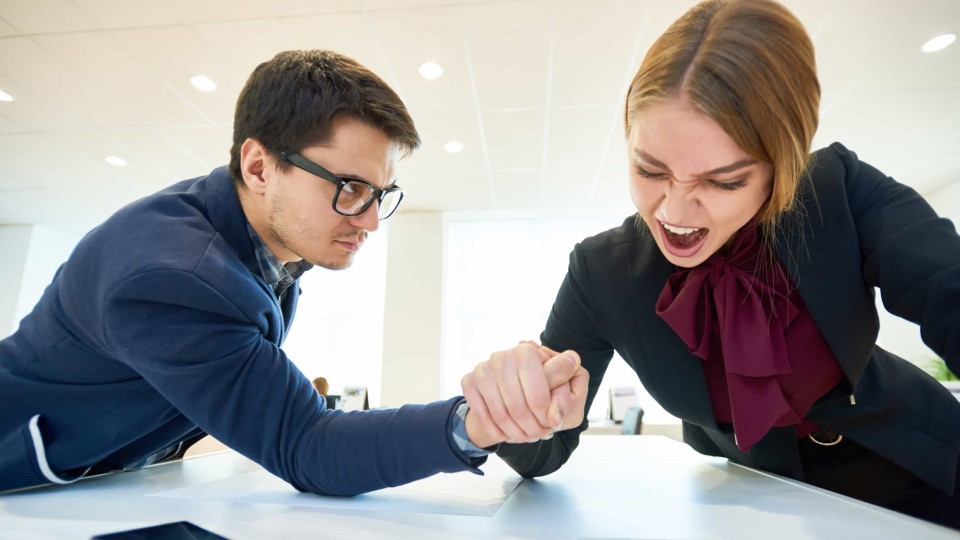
(612, 487)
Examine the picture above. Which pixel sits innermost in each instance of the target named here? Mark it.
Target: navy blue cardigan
(159, 326)
(853, 230)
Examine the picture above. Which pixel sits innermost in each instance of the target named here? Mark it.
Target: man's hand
(524, 394)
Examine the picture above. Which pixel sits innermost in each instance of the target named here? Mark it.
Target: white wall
(49, 248)
(34, 253)
(14, 244)
(338, 330)
(946, 201)
(412, 317)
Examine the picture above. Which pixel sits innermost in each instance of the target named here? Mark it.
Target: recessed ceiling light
(430, 70)
(5, 96)
(453, 146)
(939, 42)
(201, 82)
(115, 161)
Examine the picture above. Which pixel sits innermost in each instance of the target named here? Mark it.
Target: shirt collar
(277, 275)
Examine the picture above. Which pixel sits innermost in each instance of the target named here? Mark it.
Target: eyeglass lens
(355, 196)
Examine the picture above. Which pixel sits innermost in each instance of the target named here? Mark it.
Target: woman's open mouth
(682, 241)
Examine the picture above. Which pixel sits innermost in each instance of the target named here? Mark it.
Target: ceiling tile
(616, 160)
(464, 190)
(567, 188)
(30, 160)
(48, 78)
(284, 8)
(12, 210)
(7, 30)
(97, 58)
(435, 130)
(847, 48)
(10, 126)
(153, 148)
(911, 121)
(221, 10)
(509, 48)
(58, 206)
(593, 48)
(437, 39)
(905, 65)
(350, 34)
(874, 79)
(817, 14)
(177, 53)
(925, 172)
(515, 138)
(659, 15)
(398, 4)
(211, 143)
(118, 13)
(257, 40)
(517, 189)
(45, 16)
(612, 189)
(577, 136)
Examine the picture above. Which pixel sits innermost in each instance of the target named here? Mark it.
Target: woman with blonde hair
(742, 292)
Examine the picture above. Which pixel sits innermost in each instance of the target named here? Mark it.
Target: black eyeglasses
(353, 196)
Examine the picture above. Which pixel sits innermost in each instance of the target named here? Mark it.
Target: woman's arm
(910, 253)
(572, 325)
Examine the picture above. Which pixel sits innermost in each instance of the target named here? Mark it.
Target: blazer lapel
(817, 245)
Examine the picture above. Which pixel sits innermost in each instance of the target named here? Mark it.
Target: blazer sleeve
(204, 355)
(572, 325)
(909, 253)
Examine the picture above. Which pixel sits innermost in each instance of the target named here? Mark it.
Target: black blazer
(852, 230)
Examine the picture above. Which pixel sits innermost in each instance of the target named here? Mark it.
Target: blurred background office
(519, 104)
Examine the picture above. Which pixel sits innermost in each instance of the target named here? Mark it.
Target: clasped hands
(524, 394)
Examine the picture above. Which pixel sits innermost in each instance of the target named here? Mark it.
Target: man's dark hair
(290, 102)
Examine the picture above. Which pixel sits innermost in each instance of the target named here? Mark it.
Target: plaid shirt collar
(277, 275)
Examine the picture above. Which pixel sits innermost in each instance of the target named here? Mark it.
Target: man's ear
(256, 165)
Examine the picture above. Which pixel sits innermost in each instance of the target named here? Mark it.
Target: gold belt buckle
(826, 432)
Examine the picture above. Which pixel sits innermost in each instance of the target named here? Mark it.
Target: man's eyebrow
(349, 176)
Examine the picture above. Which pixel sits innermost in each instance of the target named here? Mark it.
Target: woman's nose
(679, 203)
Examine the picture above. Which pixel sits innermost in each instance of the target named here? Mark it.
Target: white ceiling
(533, 89)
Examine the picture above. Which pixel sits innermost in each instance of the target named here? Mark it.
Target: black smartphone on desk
(180, 530)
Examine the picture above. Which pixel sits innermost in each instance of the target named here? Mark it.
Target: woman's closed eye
(647, 174)
(728, 186)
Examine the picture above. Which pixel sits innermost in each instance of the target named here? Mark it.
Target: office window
(501, 279)
(338, 330)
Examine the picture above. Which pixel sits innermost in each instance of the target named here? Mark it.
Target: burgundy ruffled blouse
(764, 358)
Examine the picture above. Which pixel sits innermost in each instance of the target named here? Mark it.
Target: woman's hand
(524, 394)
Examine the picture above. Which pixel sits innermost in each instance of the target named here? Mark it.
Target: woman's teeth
(678, 230)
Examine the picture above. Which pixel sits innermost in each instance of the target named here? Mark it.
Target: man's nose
(369, 219)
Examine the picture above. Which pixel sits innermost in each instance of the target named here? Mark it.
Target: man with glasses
(166, 321)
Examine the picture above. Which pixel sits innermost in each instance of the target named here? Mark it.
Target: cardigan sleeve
(572, 325)
(205, 356)
(909, 253)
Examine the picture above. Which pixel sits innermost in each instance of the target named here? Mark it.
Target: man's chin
(334, 264)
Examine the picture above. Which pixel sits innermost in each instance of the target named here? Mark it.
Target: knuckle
(499, 415)
(538, 399)
(513, 403)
